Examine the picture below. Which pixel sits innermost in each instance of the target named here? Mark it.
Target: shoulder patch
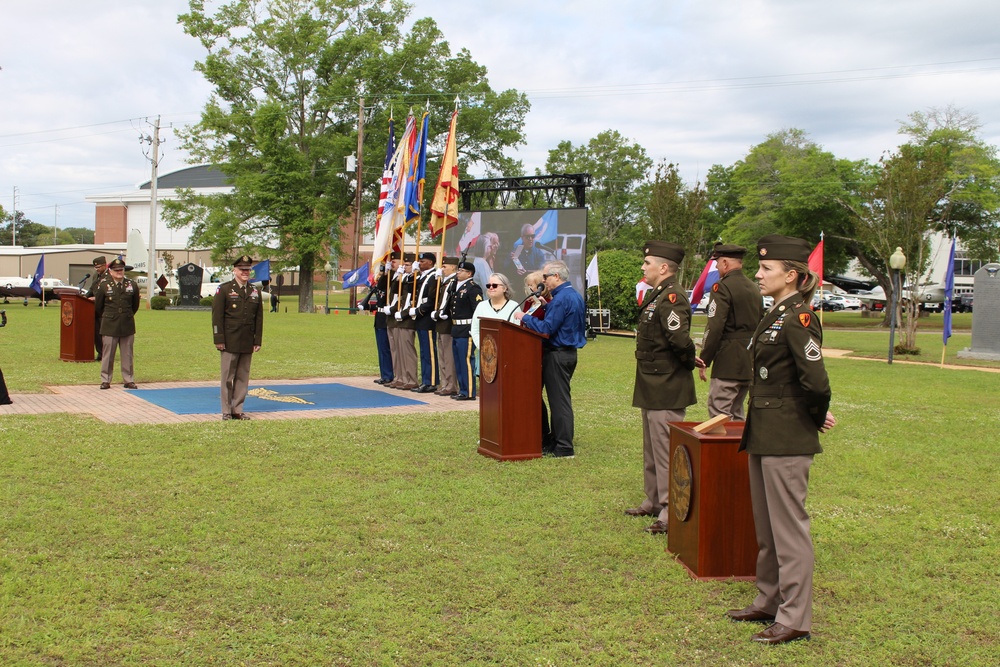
(805, 319)
(715, 287)
(672, 297)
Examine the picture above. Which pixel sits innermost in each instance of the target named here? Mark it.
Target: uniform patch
(813, 351)
(715, 287)
(673, 322)
(805, 319)
(711, 309)
(672, 298)
(763, 372)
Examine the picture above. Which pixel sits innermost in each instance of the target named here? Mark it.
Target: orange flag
(444, 206)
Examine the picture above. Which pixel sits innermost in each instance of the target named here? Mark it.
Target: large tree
(677, 214)
(29, 233)
(287, 76)
(619, 189)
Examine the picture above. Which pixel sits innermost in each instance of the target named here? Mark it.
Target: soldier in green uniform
(734, 309)
(100, 273)
(789, 408)
(664, 383)
(446, 288)
(404, 364)
(237, 328)
(116, 300)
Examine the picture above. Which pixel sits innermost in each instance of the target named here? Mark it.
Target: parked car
(826, 304)
(848, 302)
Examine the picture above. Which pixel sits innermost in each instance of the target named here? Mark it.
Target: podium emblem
(488, 358)
(66, 311)
(680, 483)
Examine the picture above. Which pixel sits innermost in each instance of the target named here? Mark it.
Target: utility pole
(154, 141)
(356, 241)
(55, 226)
(13, 219)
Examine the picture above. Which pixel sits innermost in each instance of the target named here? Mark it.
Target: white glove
(400, 271)
(384, 310)
(434, 315)
(399, 317)
(414, 268)
(437, 272)
(444, 316)
(413, 313)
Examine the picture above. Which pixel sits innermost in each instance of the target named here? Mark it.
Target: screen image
(515, 243)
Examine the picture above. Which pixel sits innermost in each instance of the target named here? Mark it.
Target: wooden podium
(711, 528)
(510, 391)
(76, 326)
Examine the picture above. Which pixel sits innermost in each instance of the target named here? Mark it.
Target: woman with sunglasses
(498, 304)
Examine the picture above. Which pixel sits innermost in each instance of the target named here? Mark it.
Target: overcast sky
(694, 82)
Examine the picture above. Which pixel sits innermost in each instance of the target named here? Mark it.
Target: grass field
(389, 541)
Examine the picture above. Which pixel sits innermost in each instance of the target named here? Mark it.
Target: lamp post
(328, 268)
(897, 262)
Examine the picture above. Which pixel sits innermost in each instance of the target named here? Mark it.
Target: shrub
(620, 270)
(206, 301)
(159, 303)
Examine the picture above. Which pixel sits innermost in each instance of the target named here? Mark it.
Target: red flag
(816, 261)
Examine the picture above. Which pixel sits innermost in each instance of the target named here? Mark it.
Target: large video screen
(515, 243)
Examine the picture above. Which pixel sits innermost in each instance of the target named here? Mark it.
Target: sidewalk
(118, 406)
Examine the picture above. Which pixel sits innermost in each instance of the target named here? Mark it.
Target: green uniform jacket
(734, 309)
(95, 282)
(237, 317)
(790, 391)
(664, 351)
(115, 304)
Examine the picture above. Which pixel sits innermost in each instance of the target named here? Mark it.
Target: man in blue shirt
(565, 324)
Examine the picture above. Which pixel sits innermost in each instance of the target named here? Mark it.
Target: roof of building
(202, 176)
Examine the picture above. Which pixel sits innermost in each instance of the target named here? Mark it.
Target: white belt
(461, 322)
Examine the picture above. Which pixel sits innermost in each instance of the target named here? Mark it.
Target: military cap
(429, 256)
(789, 248)
(468, 266)
(394, 255)
(117, 263)
(409, 256)
(98, 261)
(244, 260)
(450, 261)
(728, 250)
(671, 251)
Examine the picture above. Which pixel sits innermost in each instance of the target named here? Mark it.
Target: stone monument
(985, 315)
(189, 279)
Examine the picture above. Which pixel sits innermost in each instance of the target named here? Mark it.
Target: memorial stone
(189, 279)
(986, 315)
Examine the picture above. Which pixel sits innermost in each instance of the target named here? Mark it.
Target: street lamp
(897, 262)
(328, 268)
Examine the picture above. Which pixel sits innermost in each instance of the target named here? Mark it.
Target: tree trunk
(306, 264)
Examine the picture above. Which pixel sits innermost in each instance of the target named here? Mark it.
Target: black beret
(789, 248)
(728, 250)
(429, 256)
(663, 249)
(468, 266)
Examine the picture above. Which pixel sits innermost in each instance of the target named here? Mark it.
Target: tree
(283, 116)
(619, 187)
(29, 233)
(80, 234)
(676, 215)
(790, 185)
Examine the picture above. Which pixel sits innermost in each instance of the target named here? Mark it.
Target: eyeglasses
(527, 236)
(549, 275)
(492, 286)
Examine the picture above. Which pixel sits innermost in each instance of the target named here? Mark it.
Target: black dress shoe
(559, 453)
(750, 614)
(379, 381)
(657, 528)
(638, 511)
(459, 397)
(426, 389)
(105, 385)
(419, 389)
(779, 634)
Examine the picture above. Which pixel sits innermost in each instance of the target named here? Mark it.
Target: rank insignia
(673, 322)
(805, 318)
(763, 372)
(813, 351)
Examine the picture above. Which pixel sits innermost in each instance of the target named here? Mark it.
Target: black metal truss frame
(525, 192)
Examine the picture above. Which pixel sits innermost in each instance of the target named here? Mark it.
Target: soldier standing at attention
(406, 328)
(424, 303)
(100, 273)
(664, 385)
(116, 300)
(237, 327)
(446, 288)
(789, 408)
(463, 306)
(734, 309)
(374, 302)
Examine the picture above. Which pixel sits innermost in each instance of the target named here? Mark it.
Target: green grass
(389, 541)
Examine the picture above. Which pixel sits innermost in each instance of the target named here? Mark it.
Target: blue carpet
(273, 398)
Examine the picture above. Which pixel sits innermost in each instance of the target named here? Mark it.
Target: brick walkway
(118, 406)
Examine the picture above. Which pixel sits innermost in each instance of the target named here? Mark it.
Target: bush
(159, 303)
(206, 301)
(620, 270)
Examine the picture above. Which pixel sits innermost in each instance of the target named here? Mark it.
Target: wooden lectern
(510, 391)
(711, 528)
(76, 326)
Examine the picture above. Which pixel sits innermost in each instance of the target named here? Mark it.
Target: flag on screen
(36, 281)
(949, 291)
(641, 288)
(816, 260)
(444, 205)
(356, 278)
(592, 277)
(261, 271)
(709, 276)
(418, 173)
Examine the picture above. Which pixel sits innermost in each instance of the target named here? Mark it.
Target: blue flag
(36, 281)
(417, 174)
(949, 290)
(261, 271)
(356, 278)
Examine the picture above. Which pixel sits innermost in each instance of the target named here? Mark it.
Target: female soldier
(789, 401)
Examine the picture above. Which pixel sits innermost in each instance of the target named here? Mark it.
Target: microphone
(538, 291)
(80, 284)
